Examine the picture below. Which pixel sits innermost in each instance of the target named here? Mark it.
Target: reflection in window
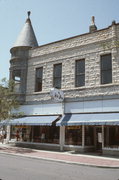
(80, 73)
(39, 76)
(106, 69)
(57, 76)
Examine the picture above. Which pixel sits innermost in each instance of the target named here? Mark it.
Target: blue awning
(89, 119)
(34, 120)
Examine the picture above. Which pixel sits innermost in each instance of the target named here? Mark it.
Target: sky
(52, 20)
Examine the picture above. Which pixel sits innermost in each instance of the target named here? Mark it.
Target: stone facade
(88, 46)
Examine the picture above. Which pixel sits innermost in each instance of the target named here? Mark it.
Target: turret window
(16, 76)
(39, 76)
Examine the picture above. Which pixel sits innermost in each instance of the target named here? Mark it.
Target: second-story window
(16, 76)
(57, 76)
(80, 73)
(39, 76)
(106, 69)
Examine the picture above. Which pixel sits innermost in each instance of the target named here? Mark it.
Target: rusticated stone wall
(88, 46)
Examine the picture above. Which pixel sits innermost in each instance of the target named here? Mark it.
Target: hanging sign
(57, 95)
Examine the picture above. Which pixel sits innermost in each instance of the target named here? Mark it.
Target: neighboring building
(86, 69)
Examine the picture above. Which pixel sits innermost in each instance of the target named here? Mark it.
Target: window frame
(104, 71)
(37, 89)
(58, 77)
(79, 74)
(16, 74)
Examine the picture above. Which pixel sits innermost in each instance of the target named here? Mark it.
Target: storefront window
(89, 135)
(13, 132)
(46, 134)
(73, 135)
(20, 133)
(41, 134)
(111, 138)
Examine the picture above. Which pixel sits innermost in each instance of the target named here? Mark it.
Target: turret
(19, 57)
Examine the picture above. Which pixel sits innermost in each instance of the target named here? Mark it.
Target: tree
(8, 100)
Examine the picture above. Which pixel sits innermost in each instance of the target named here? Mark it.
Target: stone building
(86, 69)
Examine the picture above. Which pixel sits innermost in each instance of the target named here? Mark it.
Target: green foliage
(8, 100)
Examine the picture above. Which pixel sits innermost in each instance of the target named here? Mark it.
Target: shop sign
(73, 127)
(57, 95)
(21, 126)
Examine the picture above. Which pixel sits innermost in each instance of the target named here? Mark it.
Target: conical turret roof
(27, 36)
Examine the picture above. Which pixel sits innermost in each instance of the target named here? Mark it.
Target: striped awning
(34, 120)
(89, 119)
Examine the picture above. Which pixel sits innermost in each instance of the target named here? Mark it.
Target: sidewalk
(66, 157)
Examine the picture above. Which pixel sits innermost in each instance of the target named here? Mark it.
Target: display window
(89, 135)
(46, 134)
(111, 136)
(73, 135)
(41, 134)
(20, 133)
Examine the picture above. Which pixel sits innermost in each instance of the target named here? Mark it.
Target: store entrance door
(98, 138)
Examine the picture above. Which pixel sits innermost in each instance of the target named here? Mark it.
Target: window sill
(40, 92)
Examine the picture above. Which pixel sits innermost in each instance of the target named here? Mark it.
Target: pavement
(94, 160)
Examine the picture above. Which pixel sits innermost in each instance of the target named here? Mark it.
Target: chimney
(92, 27)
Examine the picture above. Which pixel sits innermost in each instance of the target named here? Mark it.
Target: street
(22, 168)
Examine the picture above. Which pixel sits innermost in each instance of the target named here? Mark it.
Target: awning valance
(34, 120)
(89, 119)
